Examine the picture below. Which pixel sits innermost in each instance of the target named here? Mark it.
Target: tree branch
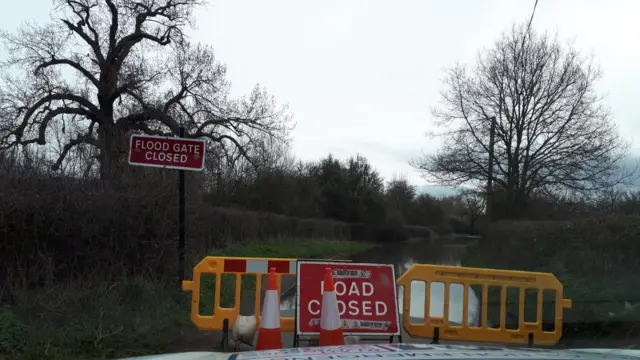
(80, 139)
(93, 44)
(71, 63)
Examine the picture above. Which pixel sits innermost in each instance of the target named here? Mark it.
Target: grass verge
(88, 320)
(134, 316)
(290, 248)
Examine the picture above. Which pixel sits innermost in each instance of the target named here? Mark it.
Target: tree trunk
(517, 205)
(510, 203)
(113, 153)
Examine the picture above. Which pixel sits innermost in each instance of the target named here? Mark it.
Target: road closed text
(365, 293)
(352, 307)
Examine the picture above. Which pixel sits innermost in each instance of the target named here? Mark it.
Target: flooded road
(402, 256)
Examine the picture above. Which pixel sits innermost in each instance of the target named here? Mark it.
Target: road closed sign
(366, 294)
(167, 152)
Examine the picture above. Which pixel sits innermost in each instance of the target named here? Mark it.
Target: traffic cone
(330, 323)
(269, 335)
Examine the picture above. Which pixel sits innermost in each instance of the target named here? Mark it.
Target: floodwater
(403, 256)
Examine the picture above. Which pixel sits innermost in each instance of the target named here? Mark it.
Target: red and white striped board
(259, 266)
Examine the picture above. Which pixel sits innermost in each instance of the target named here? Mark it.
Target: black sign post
(181, 216)
(178, 153)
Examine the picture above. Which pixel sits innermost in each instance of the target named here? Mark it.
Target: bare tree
(473, 205)
(224, 166)
(611, 200)
(400, 195)
(552, 130)
(112, 67)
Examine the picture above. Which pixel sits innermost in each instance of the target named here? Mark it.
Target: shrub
(57, 228)
(597, 259)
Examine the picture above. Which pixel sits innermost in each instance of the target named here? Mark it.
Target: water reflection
(436, 304)
(403, 256)
(287, 304)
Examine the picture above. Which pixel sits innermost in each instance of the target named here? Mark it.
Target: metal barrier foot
(436, 335)
(224, 345)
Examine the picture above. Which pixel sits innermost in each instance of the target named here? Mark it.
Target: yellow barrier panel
(484, 278)
(236, 266)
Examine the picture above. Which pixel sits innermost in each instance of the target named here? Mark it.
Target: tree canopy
(107, 68)
(552, 129)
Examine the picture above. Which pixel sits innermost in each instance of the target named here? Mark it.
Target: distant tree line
(72, 91)
(349, 190)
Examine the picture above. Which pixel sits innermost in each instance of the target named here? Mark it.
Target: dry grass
(132, 316)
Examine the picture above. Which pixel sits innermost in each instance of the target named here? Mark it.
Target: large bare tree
(552, 130)
(105, 68)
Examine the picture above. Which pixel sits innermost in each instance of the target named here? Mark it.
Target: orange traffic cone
(330, 323)
(269, 335)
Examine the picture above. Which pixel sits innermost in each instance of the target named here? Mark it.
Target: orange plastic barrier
(236, 266)
(439, 327)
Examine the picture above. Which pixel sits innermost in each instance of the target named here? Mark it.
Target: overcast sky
(361, 76)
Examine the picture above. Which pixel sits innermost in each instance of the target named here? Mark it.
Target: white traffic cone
(269, 335)
(330, 323)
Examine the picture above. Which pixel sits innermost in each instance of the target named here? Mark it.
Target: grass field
(130, 317)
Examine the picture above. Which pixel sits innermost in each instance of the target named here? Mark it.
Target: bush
(64, 229)
(597, 259)
(460, 227)
(421, 232)
(93, 320)
(57, 228)
(13, 332)
(593, 247)
(135, 315)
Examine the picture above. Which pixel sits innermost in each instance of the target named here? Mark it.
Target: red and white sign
(167, 152)
(366, 294)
